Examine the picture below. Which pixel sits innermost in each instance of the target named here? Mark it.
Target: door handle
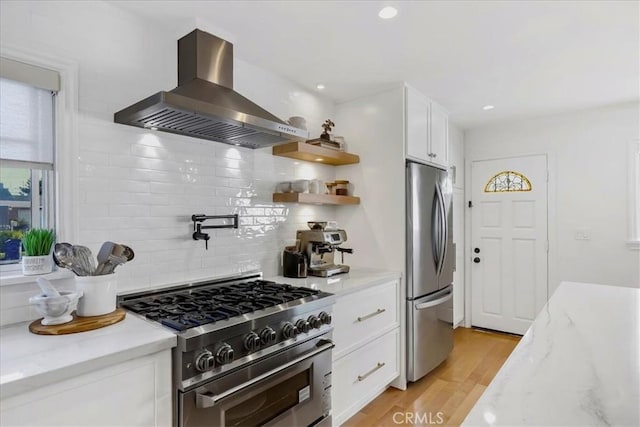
(434, 302)
(476, 250)
(476, 260)
(207, 400)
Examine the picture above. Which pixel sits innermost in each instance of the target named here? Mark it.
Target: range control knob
(325, 318)
(314, 322)
(267, 336)
(303, 326)
(224, 354)
(205, 361)
(289, 331)
(252, 341)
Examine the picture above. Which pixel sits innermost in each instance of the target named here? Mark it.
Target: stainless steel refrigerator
(430, 266)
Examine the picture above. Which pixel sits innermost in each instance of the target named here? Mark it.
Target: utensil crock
(99, 294)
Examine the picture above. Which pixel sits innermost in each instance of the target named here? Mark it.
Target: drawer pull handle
(375, 313)
(364, 377)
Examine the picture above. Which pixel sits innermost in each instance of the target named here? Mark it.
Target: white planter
(33, 265)
(98, 294)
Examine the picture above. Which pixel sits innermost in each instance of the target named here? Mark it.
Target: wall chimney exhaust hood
(204, 105)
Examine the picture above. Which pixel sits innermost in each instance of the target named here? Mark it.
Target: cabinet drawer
(362, 375)
(361, 316)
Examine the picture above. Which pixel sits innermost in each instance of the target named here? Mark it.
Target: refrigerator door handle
(442, 243)
(435, 232)
(435, 302)
(445, 229)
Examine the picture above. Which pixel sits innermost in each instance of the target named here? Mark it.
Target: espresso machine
(320, 246)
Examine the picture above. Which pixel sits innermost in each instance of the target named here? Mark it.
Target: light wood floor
(451, 389)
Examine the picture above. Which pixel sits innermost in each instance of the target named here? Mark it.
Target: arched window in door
(507, 181)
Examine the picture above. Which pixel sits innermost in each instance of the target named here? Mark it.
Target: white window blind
(26, 123)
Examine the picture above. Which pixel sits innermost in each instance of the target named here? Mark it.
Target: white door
(508, 242)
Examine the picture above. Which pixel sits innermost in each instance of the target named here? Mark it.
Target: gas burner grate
(186, 309)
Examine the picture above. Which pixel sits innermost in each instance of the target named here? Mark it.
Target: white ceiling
(527, 58)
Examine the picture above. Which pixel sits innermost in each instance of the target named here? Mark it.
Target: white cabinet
(133, 393)
(427, 129)
(366, 358)
(439, 135)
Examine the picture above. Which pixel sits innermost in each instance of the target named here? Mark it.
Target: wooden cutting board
(78, 324)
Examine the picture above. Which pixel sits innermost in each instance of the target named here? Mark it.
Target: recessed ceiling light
(319, 86)
(388, 12)
(488, 107)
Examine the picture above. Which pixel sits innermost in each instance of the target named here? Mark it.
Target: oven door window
(268, 404)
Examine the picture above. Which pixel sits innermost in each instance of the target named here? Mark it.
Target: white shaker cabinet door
(439, 136)
(417, 119)
(133, 393)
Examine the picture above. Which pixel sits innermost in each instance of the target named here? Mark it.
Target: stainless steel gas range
(250, 352)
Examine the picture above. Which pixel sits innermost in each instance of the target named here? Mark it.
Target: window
(26, 153)
(507, 181)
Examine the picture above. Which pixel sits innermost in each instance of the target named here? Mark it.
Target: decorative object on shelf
(326, 129)
(198, 227)
(37, 244)
(284, 187)
(315, 151)
(298, 122)
(331, 187)
(342, 187)
(325, 143)
(300, 186)
(316, 186)
(342, 145)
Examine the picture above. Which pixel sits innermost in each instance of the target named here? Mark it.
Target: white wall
(456, 160)
(587, 187)
(140, 187)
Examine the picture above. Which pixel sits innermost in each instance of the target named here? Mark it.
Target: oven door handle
(209, 400)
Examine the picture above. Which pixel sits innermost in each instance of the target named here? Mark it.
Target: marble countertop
(28, 361)
(342, 284)
(578, 364)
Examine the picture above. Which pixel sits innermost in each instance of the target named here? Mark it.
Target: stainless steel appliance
(430, 266)
(204, 105)
(320, 245)
(250, 352)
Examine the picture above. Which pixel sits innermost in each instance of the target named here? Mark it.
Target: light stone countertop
(29, 361)
(342, 284)
(577, 365)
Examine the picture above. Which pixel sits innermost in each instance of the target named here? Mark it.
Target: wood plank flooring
(446, 395)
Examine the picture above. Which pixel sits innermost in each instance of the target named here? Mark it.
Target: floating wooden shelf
(318, 199)
(313, 153)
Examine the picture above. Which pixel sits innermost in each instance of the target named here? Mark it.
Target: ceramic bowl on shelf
(56, 309)
(300, 186)
(283, 187)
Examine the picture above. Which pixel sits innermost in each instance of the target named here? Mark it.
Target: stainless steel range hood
(204, 105)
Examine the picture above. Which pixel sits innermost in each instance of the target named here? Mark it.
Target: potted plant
(10, 243)
(37, 244)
